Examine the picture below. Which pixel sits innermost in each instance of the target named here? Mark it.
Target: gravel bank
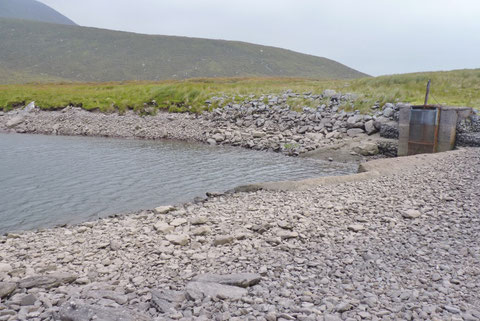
(401, 245)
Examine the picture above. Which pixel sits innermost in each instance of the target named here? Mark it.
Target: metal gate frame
(424, 143)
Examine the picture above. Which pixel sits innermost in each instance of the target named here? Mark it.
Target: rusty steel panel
(423, 133)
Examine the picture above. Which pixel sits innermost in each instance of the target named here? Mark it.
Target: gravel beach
(399, 245)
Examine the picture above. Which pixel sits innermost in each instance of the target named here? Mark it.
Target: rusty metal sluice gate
(428, 128)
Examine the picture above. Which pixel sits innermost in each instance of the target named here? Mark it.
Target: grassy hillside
(31, 10)
(24, 76)
(89, 54)
(460, 88)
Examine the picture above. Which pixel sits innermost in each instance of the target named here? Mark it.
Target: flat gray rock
(81, 311)
(356, 227)
(223, 239)
(411, 214)
(238, 279)
(6, 289)
(199, 290)
(178, 239)
(118, 297)
(164, 209)
(47, 281)
(167, 301)
(355, 132)
(14, 121)
(28, 299)
(5, 268)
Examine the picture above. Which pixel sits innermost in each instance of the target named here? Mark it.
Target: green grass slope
(89, 54)
(31, 10)
(18, 76)
(458, 88)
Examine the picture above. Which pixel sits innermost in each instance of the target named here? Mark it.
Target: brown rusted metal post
(428, 92)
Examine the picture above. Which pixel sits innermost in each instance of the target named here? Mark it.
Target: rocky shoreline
(400, 245)
(269, 123)
(264, 123)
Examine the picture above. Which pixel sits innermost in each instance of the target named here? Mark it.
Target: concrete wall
(447, 130)
(403, 130)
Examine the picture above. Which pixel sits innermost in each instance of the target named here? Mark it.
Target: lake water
(51, 180)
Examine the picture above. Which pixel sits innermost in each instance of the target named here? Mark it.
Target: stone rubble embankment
(269, 122)
(265, 123)
(399, 246)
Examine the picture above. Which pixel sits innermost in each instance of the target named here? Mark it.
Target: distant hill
(31, 10)
(89, 54)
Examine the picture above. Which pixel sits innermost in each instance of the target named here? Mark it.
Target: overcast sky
(374, 36)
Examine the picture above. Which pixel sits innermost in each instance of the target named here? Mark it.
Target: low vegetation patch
(459, 88)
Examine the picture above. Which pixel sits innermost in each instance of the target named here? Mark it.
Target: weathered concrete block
(447, 130)
(403, 130)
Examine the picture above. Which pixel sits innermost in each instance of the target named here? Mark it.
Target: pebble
(356, 227)
(223, 239)
(411, 213)
(164, 209)
(163, 227)
(178, 239)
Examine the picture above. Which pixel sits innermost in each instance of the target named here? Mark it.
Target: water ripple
(49, 180)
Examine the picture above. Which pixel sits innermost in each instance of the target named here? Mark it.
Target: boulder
(329, 93)
(355, 121)
(366, 149)
(302, 130)
(167, 301)
(5, 268)
(6, 289)
(370, 127)
(28, 299)
(15, 121)
(218, 137)
(316, 137)
(354, 132)
(388, 112)
(260, 122)
(379, 121)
